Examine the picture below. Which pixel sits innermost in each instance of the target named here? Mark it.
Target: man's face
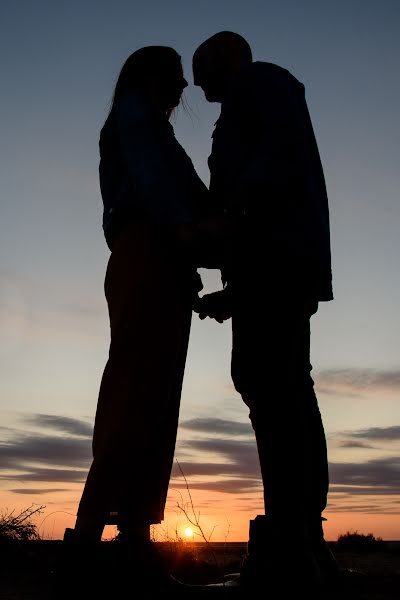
(207, 76)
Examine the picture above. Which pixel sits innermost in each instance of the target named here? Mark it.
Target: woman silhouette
(152, 199)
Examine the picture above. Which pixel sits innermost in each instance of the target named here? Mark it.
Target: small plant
(358, 542)
(194, 520)
(19, 527)
(216, 569)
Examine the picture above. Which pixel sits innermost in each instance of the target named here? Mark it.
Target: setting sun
(188, 532)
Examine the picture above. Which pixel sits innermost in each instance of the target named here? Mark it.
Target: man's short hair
(225, 43)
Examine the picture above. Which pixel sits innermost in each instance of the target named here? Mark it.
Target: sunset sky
(59, 63)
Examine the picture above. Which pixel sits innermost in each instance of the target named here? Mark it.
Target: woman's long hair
(149, 61)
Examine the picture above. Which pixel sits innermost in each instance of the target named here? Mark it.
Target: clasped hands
(216, 305)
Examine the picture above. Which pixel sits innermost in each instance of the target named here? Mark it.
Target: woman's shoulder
(133, 113)
(132, 104)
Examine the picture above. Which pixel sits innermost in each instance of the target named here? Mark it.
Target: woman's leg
(139, 399)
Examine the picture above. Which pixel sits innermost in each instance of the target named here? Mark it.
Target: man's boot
(324, 556)
(279, 555)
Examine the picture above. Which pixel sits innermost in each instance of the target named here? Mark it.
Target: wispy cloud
(61, 424)
(61, 453)
(57, 450)
(371, 438)
(36, 449)
(378, 433)
(379, 476)
(220, 426)
(355, 381)
(354, 445)
(36, 491)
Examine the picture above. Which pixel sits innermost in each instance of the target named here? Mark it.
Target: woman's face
(172, 84)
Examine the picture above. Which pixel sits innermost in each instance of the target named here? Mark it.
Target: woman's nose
(185, 83)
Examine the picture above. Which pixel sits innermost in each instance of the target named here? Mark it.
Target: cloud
(368, 438)
(61, 454)
(353, 382)
(44, 449)
(375, 506)
(226, 462)
(354, 444)
(37, 491)
(75, 427)
(226, 486)
(37, 474)
(379, 433)
(217, 426)
(376, 477)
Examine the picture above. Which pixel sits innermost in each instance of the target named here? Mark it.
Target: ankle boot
(280, 554)
(324, 556)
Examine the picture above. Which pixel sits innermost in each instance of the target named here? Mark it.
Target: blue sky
(59, 62)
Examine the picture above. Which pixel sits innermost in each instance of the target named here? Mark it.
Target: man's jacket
(266, 173)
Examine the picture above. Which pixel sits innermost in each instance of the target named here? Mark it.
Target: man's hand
(216, 306)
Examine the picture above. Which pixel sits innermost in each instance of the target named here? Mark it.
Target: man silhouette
(267, 183)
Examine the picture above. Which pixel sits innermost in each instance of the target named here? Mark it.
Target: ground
(26, 569)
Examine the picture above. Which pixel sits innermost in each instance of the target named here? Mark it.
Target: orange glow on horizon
(223, 518)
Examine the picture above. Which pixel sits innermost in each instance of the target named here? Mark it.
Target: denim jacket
(144, 171)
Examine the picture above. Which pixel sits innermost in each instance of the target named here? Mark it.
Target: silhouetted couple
(264, 222)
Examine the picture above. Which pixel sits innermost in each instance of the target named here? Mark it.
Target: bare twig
(19, 526)
(195, 520)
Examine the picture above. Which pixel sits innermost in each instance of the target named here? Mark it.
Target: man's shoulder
(272, 73)
(263, 86)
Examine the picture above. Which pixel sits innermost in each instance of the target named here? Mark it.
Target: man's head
(216, 60)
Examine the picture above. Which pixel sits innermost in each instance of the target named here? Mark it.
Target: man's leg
(271, 371)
